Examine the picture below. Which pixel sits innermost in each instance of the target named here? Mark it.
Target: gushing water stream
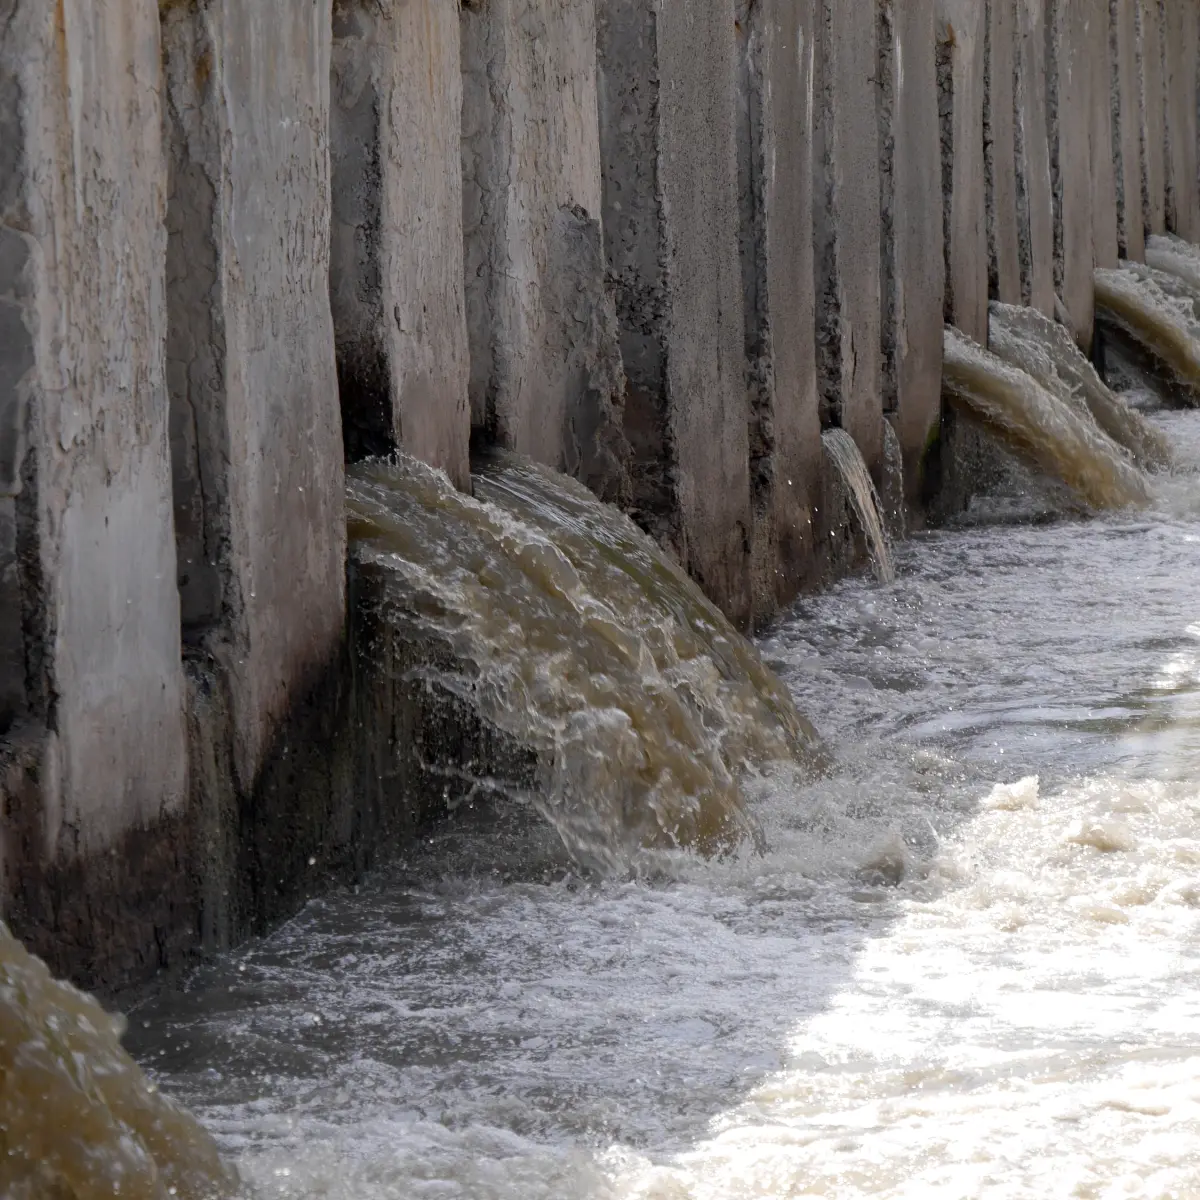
(850, 469)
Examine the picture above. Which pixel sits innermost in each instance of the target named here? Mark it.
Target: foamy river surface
(967, 966)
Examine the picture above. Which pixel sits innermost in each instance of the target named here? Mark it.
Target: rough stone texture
(1127, 128)
(1000, 147)
(1035, 209)
(545, 370)
(1098, 40)
(257, 449)
(960, 48)
(81, 373)
(914, 264)
(1070, 71)
(1152, 70)
(396, 269)
(775, 127)
(846, 223)
(1182, 63)
(667, 133)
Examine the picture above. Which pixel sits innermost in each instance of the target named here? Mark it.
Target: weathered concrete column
(396, 269)
(669, 158)
(545, 368)
(914, 276)
(1069, 73)
(256, 435)
(846, 216)
(1182, 64)
(960, 47)
(775, 129)
(1035, 209)
(97, 754)
(1127, 131)
(1098, 44)
(1152, 70)
(1000, 146)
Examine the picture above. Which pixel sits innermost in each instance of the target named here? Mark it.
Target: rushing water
(966, 965)
(842, 453)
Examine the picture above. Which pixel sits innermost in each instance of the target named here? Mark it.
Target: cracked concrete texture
(396, 270)
(89, 527)
(1126, 100)
(258, 447)
(545, 373)
(776, 51)
(1182, 65)
(1000, 144)
(961, 37)
(1152, 71)
(670, 221)
(1034, 200)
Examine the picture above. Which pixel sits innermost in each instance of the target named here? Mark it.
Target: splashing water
(1026, 339)
(571, 632)
(1130, 300)
(842, 452)
(1173, 256)
(78, 1118)
(1059, 439)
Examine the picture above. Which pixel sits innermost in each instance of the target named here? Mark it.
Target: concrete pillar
(1097, 36)
(1000, 147)
(1182, 63)
(914, 264)
(667, 131)
(256, 436)
(1153, 115)
(396, 265)
(960, 48)
(85, 484)
(775, 128)
(1035, 210)
(846, 216)
(1127, 129)
(1069, 71)
(545, 372)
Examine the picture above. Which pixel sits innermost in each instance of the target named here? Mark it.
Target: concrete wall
(657, 244)
(670, 216)
(396, 279)
(776, 51)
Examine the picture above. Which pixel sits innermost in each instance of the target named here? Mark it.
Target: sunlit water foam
(942, 978)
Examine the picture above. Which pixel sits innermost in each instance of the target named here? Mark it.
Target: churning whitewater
(965, 965)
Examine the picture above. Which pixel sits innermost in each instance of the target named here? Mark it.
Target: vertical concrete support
(1069, 73)
(1000, 147)
(914, 276)
(256, 437)
(1127, 128)
(396, 273)
(961, 40)
(667, 131)
(86, 542)
(1182, 63)
(1098, 54)
(777, 49)
(846, 216)
(1035, 209)
(1152, 69)
(545, 368)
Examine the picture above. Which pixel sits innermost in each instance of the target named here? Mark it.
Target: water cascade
(843, 454)
(78, 1118)
(566, 628)
(1026, 339)
(1135, 306)
(1173, 256)
(1058, 438)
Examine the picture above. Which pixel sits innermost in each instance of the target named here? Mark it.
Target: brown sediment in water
(79, 1120)
(1028, 340)
(1130, 299)
(847, 461)
(1053, 436)
(568, 629)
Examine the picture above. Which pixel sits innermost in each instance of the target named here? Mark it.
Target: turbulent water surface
(967, 965)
